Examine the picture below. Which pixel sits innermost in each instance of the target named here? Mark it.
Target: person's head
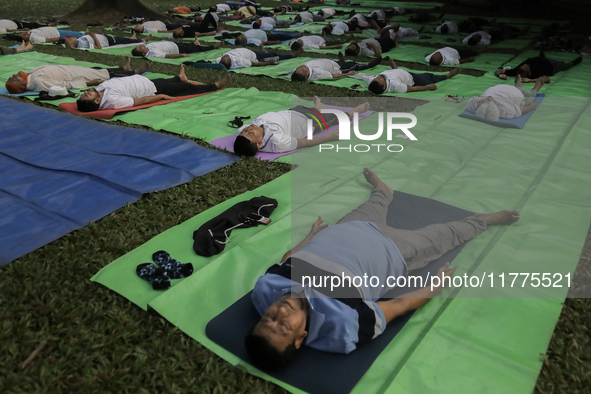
(256, 24)
(352, 49)
(474, 40)
(297, 18)
(178, 32)
(273, 342)
(249, 140)
(300, 74)
(444, 29)
(71, 42)
(138, 28)
(320, 12)
(390, 13)
(296, 45)
(353, 24)
(26, 36)
(436, 59)
(198, 18)
(489, 110)
(378, 85)
(213, 8)
(226, 61)
(140, 50)
(17, 83)
(241, 40)
(523, 71)
(89, 101)
(327, 29)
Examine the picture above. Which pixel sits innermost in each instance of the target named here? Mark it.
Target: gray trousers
(418, 247)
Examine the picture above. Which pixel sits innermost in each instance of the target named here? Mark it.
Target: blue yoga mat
(60, 172)
(516, 123)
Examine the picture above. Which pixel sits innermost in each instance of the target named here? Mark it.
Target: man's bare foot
(298, 53)
(182, 74)
(359, 109)
(298, 35)
(341, 57)
(518, 81)
(505, 217)
(262, 48)
(147, 38)
(133, 36)
(317, 104)
(142, 69)
(392, 63)
(453, 72)
(196, 42)
(29, 46)
(127, 65)
(217, 45)
(224, 81)
(373, 179)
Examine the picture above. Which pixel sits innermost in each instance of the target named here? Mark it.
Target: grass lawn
(95, 341)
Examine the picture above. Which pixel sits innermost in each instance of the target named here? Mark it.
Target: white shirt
(222, 8)
(366, 50)
(307, 17)
(403, 32)
(328, 12)
(87, 42)
(69, 77)
(240, 57)
(339, 28)
(120, 92)
(452, 27)
(43, 33)
(361, 21)
(282, 129)
(154, 26)
(267, 21)
(312, 42)
(6, 24)
(322, 68)
(484, 38)
(399, 10)
(379, 14)
(509, 100)
(397, 80)
(451, 57)
(160, 49)
(255, 36)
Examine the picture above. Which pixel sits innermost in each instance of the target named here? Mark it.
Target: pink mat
(228, 141)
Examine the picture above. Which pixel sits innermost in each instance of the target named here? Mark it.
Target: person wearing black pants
(29, 25)
(207, 27)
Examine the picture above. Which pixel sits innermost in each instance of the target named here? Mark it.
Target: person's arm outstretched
(151, 99)
(316, 228)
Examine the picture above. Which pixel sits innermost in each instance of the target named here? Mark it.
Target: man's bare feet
(224, 81)
(217, 45)
(360, 109)
(147, 38)
(196, 42)
(142, 69)
(182, 74)
(505, 217)
(539, 84)
(127, 65)
(298, 53)
(29, 46)
(317, 104)
(133, 36)
(373, 179)
(518, 81)
(453, 72)
(392, 63)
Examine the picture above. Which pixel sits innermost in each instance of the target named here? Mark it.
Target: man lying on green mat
(449, 56)
(538, 67)
(172, 50)
(326, 68)
(138, 90)
(339, 318)
(242, 57)
(100, 41)
(397, 80)
(70, 77)
(285, 131)
(505, 101)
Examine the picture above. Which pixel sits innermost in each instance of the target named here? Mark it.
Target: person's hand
(534, 104)
(184, 55)
(502, 76)
(318, 226)
(352, 72)
(432, 87)
(442, 273)
(166, 97)
(273, 63)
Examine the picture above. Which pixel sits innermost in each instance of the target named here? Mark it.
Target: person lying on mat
(284, 131)
(449, 56)
(326, 68)
(100, 41)
(172, 50)
(535, 67)
(138, 90)
(447, 28)
(384, 43)
(339, 28)
(397, 80)
(23, 47)
(47, 34)
(69, 77)
(156, 27)
(357, 22)
(396, 31)
(242, 57)
(505, 101)
(308, 17)
(7, 25)
(361, 244)
(478, 38)
(258, 37)
(329, 13)
(267, 22)
(312, 42)
(220, 8)
(207, 26)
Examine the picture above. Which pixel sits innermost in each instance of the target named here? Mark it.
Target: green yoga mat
(460, 345)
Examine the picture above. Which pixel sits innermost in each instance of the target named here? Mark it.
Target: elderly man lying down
(294, 313)
(505, 101)
(137, 90)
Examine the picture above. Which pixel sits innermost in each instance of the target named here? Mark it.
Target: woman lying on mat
(338, 317)
(505, 101)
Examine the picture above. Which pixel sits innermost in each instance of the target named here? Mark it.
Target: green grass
(98, 342)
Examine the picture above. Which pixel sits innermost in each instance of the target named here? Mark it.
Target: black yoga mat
(314, 371)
